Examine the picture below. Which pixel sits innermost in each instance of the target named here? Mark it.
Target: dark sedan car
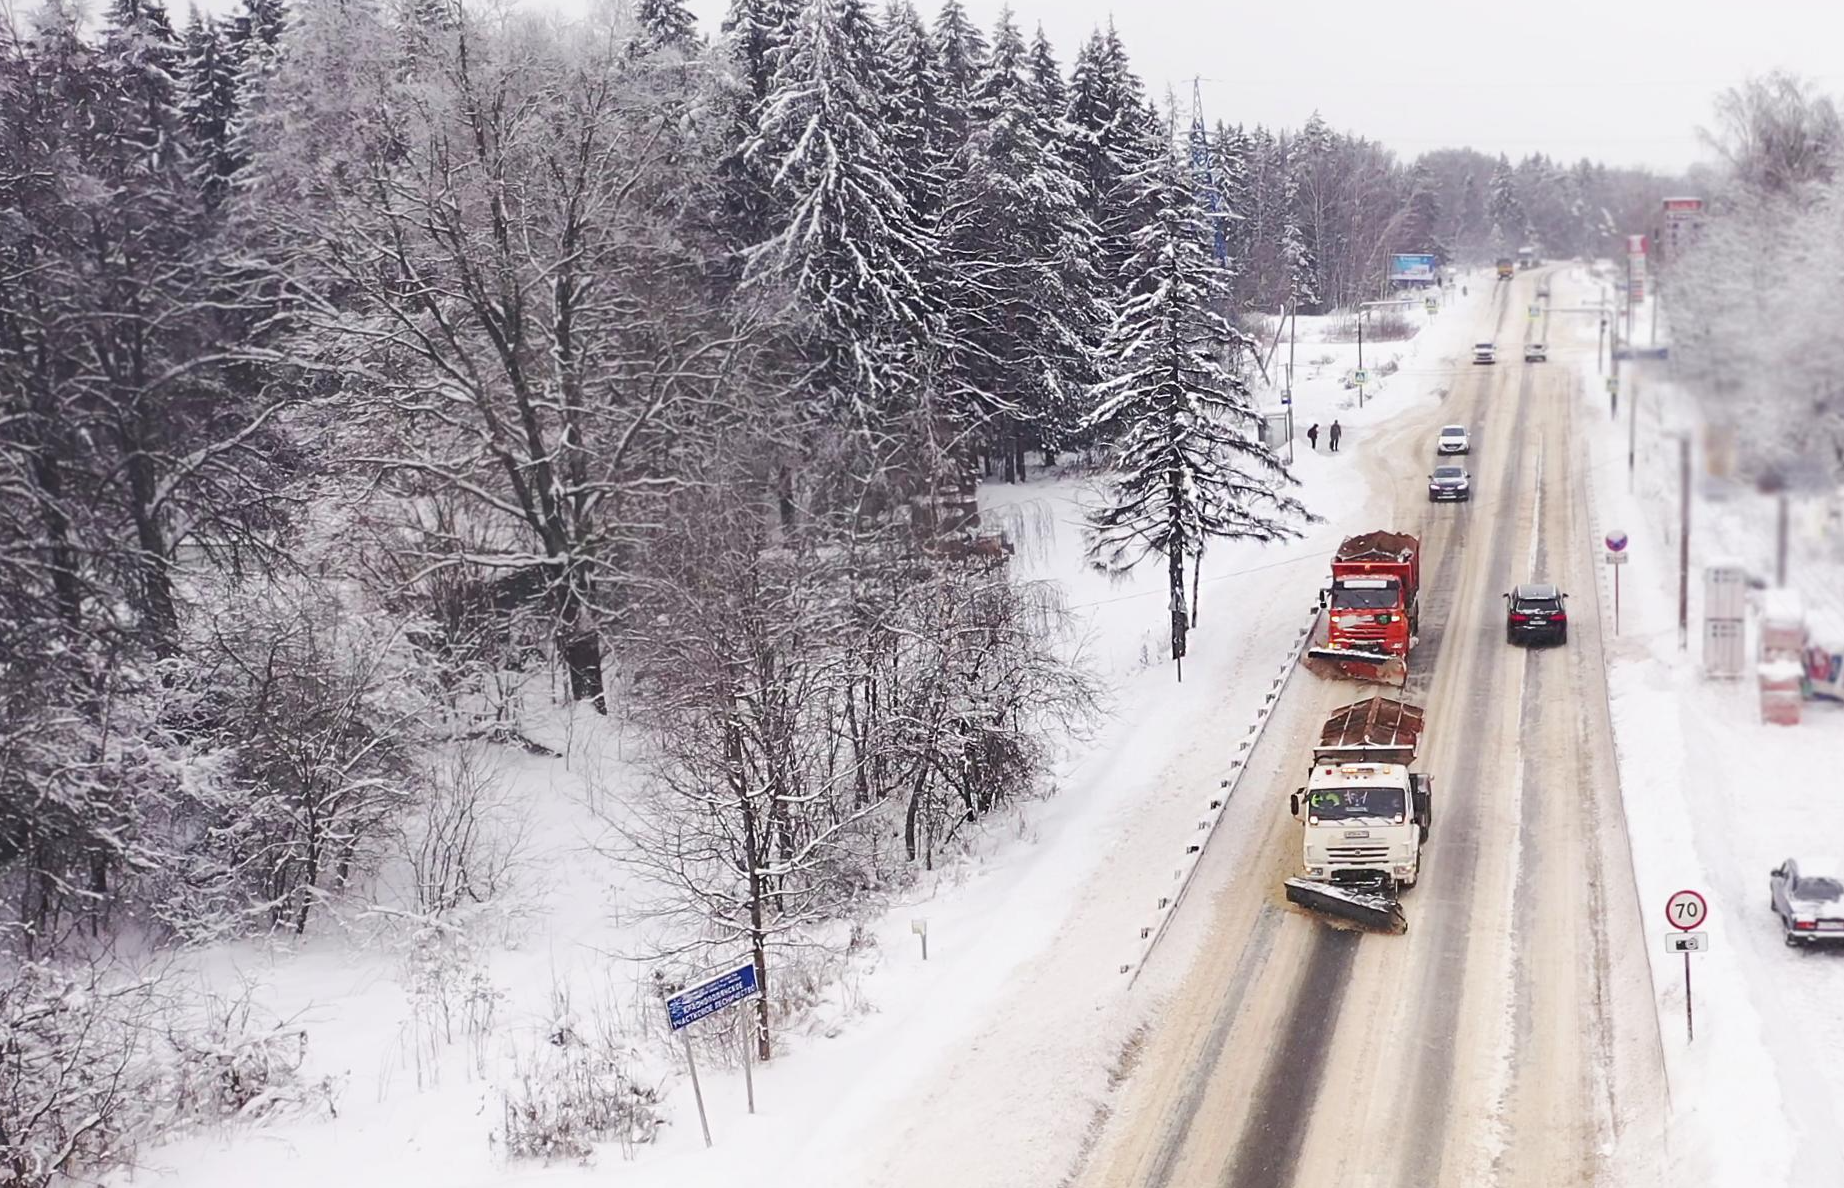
(1535, 613)
(1450, 482)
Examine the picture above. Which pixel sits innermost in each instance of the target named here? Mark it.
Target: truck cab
(1371, 613)
(1365, 823)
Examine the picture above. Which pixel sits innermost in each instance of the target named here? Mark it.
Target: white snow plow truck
(1365, 814)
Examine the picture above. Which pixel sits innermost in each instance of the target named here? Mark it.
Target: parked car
(1535, 612)
(1454, 439)
(1809, 900)
(1536, 352)
(1450, 483)
(1485, 352)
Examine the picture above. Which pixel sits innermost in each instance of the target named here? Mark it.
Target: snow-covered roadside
(996, 1053)
(1714, 799)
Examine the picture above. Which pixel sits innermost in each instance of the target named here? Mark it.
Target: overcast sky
(1622, 81)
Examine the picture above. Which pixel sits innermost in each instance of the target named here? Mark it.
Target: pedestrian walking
(1312, 436)
(1333, 434)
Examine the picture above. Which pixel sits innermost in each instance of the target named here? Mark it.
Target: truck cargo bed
(1374, 730)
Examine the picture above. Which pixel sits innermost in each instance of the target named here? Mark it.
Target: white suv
(1453, 440)
(1536, 352)
(1485, 352)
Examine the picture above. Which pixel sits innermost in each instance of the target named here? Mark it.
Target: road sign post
(707, 998)
(1685, 910)
(1616, 557)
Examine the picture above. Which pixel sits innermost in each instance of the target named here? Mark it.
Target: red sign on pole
(1686, 910)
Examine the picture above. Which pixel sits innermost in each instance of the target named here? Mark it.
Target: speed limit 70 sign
(1686, 910)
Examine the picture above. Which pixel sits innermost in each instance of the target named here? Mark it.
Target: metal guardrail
(1153, 931)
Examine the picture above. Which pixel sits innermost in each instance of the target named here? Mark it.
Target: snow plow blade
(1370, 910)
(1376, 667)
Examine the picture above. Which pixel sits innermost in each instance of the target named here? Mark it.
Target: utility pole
(1780, 544)
(1360, 354)
(1632, 434)
(1629, 297)
(1600, 349)
(1684, 542)
(1293, 333)
(1656, 295)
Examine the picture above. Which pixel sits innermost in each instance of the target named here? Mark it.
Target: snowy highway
(1503, 1040)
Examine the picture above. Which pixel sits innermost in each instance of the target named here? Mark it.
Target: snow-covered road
(1508, 1038)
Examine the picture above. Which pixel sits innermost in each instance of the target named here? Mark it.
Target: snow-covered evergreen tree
(209, 106)
(1188, 462)
(1109, 121)
(1229, 153)
(1504, 209)
(1296, 254)
(666, 24)
(846, 235)
(1420, 225)
(753, 34)
(915, 126)
(1020, 250)
(1049, 88)
(960, 51)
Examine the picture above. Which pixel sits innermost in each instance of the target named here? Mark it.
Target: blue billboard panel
(1412, 269)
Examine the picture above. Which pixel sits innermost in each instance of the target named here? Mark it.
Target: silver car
(1810, 904)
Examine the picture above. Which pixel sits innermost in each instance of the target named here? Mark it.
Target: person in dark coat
(1312, 436)
(1334, 434)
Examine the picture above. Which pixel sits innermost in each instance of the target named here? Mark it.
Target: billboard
(1411, 269)
(1679, 209)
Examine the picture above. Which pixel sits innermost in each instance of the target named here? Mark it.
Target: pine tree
(1230, 152)
(1108, 120)
(1504, 209)
(914, 123)
(960, 50)
(1419, 229)
(846, 235)
(1296, 253)
(1048, 89)
(753, 34)
(143, 53)
(1019, 250)
(666, 24)
(209, 107)
(1189, 466)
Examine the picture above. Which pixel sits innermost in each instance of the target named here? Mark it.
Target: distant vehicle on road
(1504, 268)
(1809, 901)
(1454, 440)
(1536, 352)
(1450, 483)
(1485, 352)
(1527, 258)
(1535, 612)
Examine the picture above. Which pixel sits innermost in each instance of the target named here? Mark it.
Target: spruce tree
(1504, 209)
(666, 24)
(753, 35)
(960, 49)
(1188, 465)
(209, 107)
(1019, 252)
(1420, 228)
(1108, 120)
(845, 234)
(1049, 90)
(914, 123)
(1230, 152)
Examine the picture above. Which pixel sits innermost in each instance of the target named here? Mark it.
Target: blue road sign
(707, 998)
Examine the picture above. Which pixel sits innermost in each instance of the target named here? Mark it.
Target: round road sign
(1616, 541)
(1686, 910)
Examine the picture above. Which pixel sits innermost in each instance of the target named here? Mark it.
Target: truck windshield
(1346, 804)
(1344, 599)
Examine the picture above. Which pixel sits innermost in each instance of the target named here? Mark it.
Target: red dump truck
(1372, 610)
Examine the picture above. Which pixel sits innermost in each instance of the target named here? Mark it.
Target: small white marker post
(1685, 910)
(920, 928)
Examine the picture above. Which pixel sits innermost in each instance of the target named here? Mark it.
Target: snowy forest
(1753, 327)
(379, 379)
